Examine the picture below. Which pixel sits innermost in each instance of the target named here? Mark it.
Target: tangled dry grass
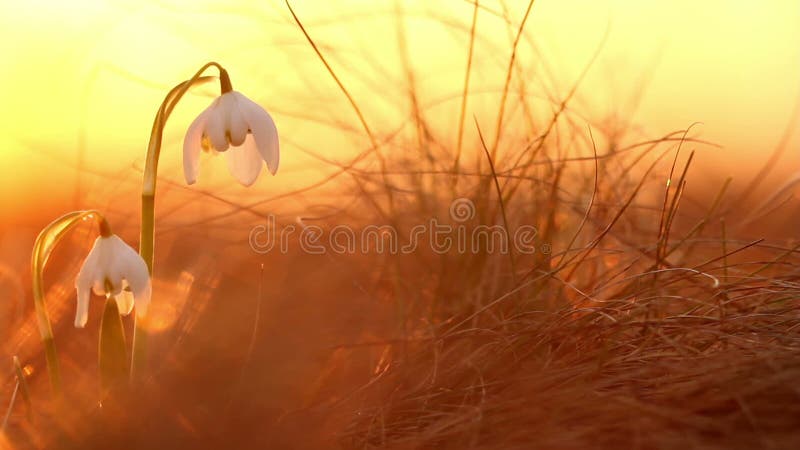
(639, 333)
(662, 366)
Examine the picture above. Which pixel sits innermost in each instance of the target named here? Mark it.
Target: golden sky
(81, 80)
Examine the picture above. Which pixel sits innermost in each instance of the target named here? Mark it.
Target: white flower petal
(134, 271)
(98, 287)
(116, 261)
(85, 282)
(128, 264)
(142, 300)
(245, 162)
(215, 129)
(87, 273)
(82, 312)
(113, 261)
(234, 124)
(237, 127)
(192, 144)
(264, 131)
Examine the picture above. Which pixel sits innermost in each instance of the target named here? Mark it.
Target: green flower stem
(112, 358)
(147, 240)
(45, 242)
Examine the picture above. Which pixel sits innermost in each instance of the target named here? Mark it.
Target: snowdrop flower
(242, 129)
(113, 268)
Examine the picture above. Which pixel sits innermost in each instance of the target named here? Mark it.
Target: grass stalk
(464, 92)
(147, 237)
(506, 228)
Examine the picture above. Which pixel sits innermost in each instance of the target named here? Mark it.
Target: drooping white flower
(113, 264)
(242, 129)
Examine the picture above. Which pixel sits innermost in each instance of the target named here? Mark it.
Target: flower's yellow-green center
(109, 287)
(205, 143)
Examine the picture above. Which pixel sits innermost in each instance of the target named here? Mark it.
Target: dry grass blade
(589, 206)
(507, 84)
(10, 408)
(335, 77)
(506, 228)
(23, 383)
(21, 386)
(373, 141)
(467, 72)
(596, 241)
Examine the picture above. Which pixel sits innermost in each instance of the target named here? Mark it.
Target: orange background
(81, 80)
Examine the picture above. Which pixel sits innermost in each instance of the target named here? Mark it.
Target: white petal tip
(248, 183)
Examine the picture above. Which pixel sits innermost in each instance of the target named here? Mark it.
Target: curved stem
(42, 247)
(147, 238)
(157, 131)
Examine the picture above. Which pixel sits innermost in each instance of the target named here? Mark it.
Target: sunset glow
(80, 80)
(358, 224)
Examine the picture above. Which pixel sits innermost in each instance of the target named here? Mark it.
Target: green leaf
(112, 354)
(42, 248)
